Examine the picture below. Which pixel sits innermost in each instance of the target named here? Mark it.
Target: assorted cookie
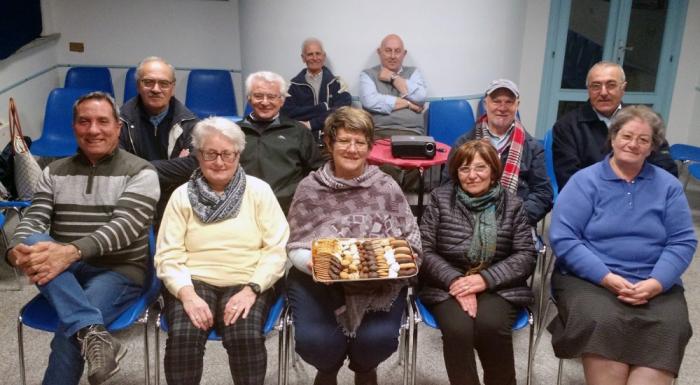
(358, 259)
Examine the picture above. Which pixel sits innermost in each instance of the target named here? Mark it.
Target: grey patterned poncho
(371, 205)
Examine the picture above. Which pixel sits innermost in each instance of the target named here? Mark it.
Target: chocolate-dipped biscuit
(398, 243)
(403, 258)
(406, 272)
(402, 250)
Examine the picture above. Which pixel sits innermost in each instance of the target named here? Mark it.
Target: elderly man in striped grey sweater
(96, 206)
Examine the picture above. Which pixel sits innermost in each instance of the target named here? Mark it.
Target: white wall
(534, 43)
(30, 95)
(187, 33)
(684, 118)
(460, 46)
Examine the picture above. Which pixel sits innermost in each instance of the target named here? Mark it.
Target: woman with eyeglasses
(347, 198)
(220, 250)
(478, 254)
(623, 235)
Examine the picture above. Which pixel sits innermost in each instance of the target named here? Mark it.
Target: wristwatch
(393, 77)
(254, 287)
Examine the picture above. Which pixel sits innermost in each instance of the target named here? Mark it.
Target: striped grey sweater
(104, 210)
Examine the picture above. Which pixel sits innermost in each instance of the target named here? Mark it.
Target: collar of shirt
(604, 118)
(313, 78)
(500, 142)
(155, 120)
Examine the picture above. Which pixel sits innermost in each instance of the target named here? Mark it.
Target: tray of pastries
(359, 259)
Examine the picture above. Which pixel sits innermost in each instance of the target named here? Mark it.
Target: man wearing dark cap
(522, 156)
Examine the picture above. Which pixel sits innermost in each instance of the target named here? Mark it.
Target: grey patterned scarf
(211, 207)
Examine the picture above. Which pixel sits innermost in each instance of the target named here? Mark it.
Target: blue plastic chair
(449, 119)
(523, 319)
(90, 78)
(686, 155)
(210, 93)
(272, 322)
(57, 138)
(549, 163)
(129, 84)
(39, 314)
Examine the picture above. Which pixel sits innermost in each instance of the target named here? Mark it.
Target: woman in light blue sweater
(623, 236)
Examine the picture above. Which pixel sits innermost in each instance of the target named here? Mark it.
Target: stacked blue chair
(449, 119)
(39, 314)
(4, 207)
(210, 92)
(686, 155)
(57, 139)
(130, 84)
(274, 321)
(91, 78)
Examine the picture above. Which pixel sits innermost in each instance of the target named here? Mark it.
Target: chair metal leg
(281, 348)
(20, 351)
(413, 329)
(157, 353)
(146, 357)
(530, 351)
(560, 372)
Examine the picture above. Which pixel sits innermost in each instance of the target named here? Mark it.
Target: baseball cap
(503, 83)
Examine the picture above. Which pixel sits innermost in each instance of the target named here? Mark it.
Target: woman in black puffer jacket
(478, 254)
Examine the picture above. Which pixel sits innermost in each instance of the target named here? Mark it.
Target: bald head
(606, 87)
(391, 52)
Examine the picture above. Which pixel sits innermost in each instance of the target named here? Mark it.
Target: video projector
(413, 146)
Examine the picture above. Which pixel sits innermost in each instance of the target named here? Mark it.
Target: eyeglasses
(262, 97)
(344, 144)
(641, 140)
(226, 156)
(480, 169)
(609, 85)
(162, 84)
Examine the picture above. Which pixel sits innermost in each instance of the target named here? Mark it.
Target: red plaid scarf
(511, 170)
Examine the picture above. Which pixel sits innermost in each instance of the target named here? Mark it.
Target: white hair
(311, 40)
(139, 69)
(266, 76)
(218, 125)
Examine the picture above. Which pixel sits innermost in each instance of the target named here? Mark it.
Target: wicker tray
(362, 259)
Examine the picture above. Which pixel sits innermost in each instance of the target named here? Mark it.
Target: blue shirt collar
(608, 173)
(155, 120)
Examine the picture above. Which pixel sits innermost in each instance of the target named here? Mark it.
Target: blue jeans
(82, 295)
(320, 341)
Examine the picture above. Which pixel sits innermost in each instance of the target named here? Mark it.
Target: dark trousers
(489, 333)
(243, 341)
(320, 341)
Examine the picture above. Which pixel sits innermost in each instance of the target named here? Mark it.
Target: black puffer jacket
(446, 232)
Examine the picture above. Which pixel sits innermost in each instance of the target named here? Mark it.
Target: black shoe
(325, 378)
(102, 353)
(366, 378)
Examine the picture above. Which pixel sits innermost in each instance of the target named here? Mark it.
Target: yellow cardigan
(248, 248)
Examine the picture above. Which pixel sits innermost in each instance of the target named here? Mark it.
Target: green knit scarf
(483, 210)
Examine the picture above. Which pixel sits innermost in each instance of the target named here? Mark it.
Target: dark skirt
(592, 320)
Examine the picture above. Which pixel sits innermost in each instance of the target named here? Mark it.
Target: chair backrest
(57, 137)
(449, 119)
(210, 92)
(549, 163)
(91, 78)
(129, 84)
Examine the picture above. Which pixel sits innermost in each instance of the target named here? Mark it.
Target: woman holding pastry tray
(478, 255)
(347, 299)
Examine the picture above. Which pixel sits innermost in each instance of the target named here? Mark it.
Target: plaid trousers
(243, 341)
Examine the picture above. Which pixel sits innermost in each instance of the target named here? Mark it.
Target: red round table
(381, 154)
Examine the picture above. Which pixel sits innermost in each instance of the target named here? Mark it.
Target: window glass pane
(588, 22)
(644, 39)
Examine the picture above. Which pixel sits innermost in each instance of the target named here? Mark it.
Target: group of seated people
(237, 206)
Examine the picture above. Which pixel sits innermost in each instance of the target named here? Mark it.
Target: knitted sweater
(247, 248)
(103, 209)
